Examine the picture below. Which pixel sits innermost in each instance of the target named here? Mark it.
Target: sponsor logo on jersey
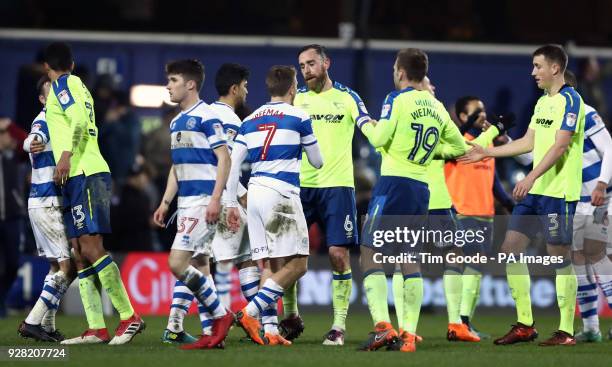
(544, 122)
(178, 136)
(191, 123)
(334, 119)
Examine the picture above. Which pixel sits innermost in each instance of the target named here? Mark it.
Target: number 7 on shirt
(271, 128)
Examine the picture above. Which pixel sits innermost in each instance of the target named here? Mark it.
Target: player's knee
(177, 266)
(339, 258)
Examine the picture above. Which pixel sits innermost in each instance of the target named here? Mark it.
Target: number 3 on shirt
(271, 128)
(423, 140)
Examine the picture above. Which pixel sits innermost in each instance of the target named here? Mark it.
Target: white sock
(249, 281)
(203, 289)
(223, 282)
(54, 288)
(587, 298)
(269, 293)
(603, 271)
(269, 319)
(181, 300)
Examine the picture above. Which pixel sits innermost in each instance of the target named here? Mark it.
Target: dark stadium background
(475, 47)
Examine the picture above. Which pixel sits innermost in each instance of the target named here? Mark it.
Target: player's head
(410, 66)
(314, 63)
(42, 87)
(570, 78)
(549, 64)
(58, 58)
(428, 86)
(231, 80)
(467, 105)
(281, 81)
(185, 77)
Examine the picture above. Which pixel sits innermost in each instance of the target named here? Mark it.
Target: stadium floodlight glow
(149, 96)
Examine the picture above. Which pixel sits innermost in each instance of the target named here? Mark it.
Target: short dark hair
(279, 79)
(230, 74)
(41, 82)
(570, 78)
(553, 53)
(461, 104)
(190, 69)
(59, 56)
(320, 50)
(414, 62)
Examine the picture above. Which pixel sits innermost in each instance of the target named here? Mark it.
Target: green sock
(470, 291)
(452, 291)
(567, 285)
(342, 285)
(290, 306)
(89, 288)
(520, 287)
(398, 297)
(413, 297)
(109, 275)
(375, 285)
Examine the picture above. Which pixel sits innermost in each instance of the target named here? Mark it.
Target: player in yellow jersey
(86, 190)
(328, 194)
(548, 195)
(412, 126)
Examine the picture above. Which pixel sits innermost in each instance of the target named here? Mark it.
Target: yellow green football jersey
(72, 126)
(334, 114)
(563, 111)
(411, 126)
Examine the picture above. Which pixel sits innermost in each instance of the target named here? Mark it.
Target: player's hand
(36, 146)
(476, 154)
(522, 188)
(212, 210)
(598, 196)
(159, 216)
(62, 170)
(233, 219)
(243, 201)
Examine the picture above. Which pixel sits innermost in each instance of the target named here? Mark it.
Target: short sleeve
(572, 109)
(358, 109)
(40, 129)
(63, 93)
(593, 123)
(307, 136)
(213, 129)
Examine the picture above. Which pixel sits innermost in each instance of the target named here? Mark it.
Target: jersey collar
(275, 103)
(199, 102)
(223, 104)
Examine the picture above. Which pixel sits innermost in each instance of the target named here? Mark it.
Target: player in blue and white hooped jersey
(45, 212)
(591, 223)
(272, 139)
(229, 247)
(199, 174)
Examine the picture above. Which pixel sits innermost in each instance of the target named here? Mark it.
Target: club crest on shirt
(63, 97)
(570, 119)
(191, 123)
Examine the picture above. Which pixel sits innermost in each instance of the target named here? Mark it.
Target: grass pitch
(147, 350)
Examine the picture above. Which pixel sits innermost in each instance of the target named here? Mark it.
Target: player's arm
(309, 143)
(603, 143)
(223, 167)
(501, 195)
(514, 148)
(379, 133)
(171, 189)
(38, 137)
(450, 151)
(560, 146)
(213, 129)
(78, 112)
(239, 154)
